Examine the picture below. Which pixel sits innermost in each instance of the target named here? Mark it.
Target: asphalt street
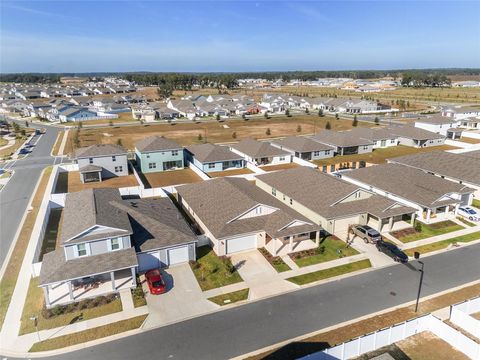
(15, 196)
(246, 328)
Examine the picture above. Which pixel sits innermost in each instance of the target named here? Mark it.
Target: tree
(200, 137)
(320, 113)
(16, 127)
(299, 128)
(355, 121)
(110, 123)
(23, 132)
(307, 111)
(234, 135)
(268, 132)
(165, 90)
(80, 124)
(26, 124)
(266, 115)
(287, 113)
(336, 116)
(119, 142)
(244, 117)
(328, 126)
(377, 120)
(217, 117)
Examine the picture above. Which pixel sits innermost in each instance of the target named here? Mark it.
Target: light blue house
(157, 153)
(210, 157)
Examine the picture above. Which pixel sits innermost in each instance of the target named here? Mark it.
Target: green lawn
(89, 335)
(230, 298)
(331, 272)
(444, 243)
(213, 271)
(476, 203)
(465, 221)
(276, 261)
(34, 305)
(330, 249)
(427, 230)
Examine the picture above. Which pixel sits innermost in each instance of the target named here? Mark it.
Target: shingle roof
(301, 144)
(100, 150)
(372, 134)
(206, 153)
(340, 139)
(412, 132)
(88, 208)
(409, 183)
(90, 168)
(436, 120)
(323, 193)
(455, 166)
(156, 143)
(218, 202)
(473, 154)
(256, 149)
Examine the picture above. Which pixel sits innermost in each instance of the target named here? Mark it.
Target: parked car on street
(392, 250)
(155, 282)
(367, 233)
(469, 213)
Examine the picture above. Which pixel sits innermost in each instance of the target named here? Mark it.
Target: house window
(148, 156)
(152, 165)
(90, 160)
(174, 152)
(365, 147)
(327, 152)
(115, 244)
(274, 192)
(282, 158)
(118, 168)
(316, 153)
(81, 250)
(211, 166)
(114, 158)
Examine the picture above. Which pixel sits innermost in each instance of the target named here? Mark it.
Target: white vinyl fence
(198, 171)
(460, 316)
(302, 162)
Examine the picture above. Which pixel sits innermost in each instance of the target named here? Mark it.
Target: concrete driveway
(262, 279)
(182, 300)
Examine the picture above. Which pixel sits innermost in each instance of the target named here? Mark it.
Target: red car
(155, 282)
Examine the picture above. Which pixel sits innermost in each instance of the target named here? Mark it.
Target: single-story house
(157, 153)
(430, 195)
(304, 148)
(101, 161)
(462, 112)
(211, 157)
(331, 202)
(261, 153)
(75, 113)
(415, 137)
(459, 168)
(380, 137)
(236, 215)
(344, 142)
(438, 124)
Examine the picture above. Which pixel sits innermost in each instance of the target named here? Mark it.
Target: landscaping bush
(418, 226)
(77, 306)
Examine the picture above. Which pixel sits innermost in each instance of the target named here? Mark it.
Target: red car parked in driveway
(155, 282)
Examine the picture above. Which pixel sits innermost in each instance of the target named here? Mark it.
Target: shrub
(268, 132)
(321, 249)
(234, 135)
(418, 226)
(57, 310)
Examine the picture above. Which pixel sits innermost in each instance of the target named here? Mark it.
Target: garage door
(147, 261)
(465, 198)
(177, 255)
(341, 225)
(241, 243)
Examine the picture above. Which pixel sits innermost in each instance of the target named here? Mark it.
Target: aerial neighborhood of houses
(218, 217)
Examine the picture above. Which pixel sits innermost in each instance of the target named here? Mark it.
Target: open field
(325, 339)
(70, 182)
(380, 156)
(167, 178)
(214, 132)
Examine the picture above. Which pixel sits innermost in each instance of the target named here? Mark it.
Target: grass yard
(331, 272)
(427, 346)
(168, 178)
(89, 335)
(444, 243)
(58, 143)
(469, 140)
(70, 182)
(3, 142)
(465, 221)
(7, 284)
(476, 203)
(279, 167)
(232, 172)
(214, 132)
(276, 261)
(380, 156)
(34, 305)
(52, 232)
(213, 271)
(230, 298)
(427, 230)
(330, 249)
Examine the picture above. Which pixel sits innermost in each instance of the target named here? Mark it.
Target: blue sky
(87, 36)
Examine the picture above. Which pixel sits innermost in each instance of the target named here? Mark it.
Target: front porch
(88, 287)
(392, 223)
(289, 244)
(437, 214)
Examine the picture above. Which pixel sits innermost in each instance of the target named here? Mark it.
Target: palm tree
(328, 126)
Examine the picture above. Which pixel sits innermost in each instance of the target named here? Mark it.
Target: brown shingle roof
(156, 143)
(212, 153)
(100, 150)
(340, 138)
(256, 149)
(301, 144)
(412, 132)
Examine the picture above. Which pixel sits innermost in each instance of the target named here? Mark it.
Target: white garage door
(341, 225)
(465, 198)
(177, 255)
(241, 243)
(147, 261)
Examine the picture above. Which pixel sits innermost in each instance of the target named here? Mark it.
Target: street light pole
(34, 318)
(417, 256)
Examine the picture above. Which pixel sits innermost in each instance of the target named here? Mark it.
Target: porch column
(390, 223)
(112, 277)
(412, 219)
(70, 290)
(446, 211)
(379, 224)
(100, 176)
(456, 209)
(317, 238)
(429, 212)
(46, 296)
(290, 244)
(134, 277)
(274, 246)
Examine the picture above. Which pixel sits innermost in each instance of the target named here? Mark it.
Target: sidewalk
(437, 238)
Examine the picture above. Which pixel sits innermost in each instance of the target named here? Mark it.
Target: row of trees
(420, 79)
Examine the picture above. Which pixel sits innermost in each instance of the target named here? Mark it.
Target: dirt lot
(279, 167)
(214, 132)
(167, 178)
(427, 346)
(232, 172)
(326, 339)
(470, 140)
(70, 182)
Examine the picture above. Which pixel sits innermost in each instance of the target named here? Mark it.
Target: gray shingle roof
(256, 149)
(436, 120)
(301, 144)
(472, 154)
(218, 202)
(322, 194)
(206, 153)
(372, 134)
(90, 168)
(455, 166)
(340, 138)
(100, 150)
(412, 132)
(85, 209)
(409, 183)
(156, 143)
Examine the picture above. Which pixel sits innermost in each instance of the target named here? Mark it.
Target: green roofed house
(157, 153)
